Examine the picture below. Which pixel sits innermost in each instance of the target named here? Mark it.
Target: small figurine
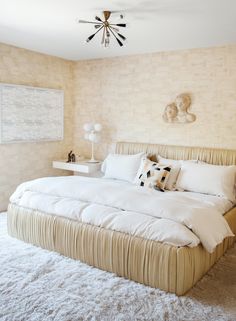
(71, 157)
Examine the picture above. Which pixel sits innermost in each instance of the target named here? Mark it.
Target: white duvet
(176, 218)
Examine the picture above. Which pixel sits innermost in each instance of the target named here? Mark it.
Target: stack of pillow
(169, 174)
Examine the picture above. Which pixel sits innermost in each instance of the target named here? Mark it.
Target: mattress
(175, 218)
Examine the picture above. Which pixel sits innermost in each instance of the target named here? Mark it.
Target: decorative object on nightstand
(93, 135)
(71, 157)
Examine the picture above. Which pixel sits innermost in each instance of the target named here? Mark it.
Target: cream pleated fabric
(208, 155)
(149, 262)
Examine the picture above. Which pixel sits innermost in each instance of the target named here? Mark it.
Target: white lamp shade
(98, 127)
(93, 137)
(88, 127)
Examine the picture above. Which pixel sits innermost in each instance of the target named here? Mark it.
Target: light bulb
(88, 127)
(107, 42)
(92, 137)
(97, 127)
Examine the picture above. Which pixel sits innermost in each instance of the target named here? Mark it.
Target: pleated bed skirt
(169, 268)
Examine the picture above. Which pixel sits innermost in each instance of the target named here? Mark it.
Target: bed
(171, 267)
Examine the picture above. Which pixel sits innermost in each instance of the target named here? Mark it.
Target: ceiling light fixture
(108, 29)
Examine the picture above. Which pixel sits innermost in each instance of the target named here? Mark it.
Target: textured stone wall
(128, 96)
(26, 161)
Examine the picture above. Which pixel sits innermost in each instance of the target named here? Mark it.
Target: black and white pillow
(153, 175)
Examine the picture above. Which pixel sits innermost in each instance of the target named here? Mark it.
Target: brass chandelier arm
(91, 36)
(118, 40)
(107, 31)
(117, 32)
(113, 28)
(103, 36)
(121, 36)
(98, 30)
(98, 19)
(123, 25)
(85, 21)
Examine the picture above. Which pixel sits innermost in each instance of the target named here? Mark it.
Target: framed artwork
(30, 114)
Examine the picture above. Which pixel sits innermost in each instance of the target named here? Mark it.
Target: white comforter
(177, 218)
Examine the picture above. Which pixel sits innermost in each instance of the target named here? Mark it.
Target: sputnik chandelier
(107, 28)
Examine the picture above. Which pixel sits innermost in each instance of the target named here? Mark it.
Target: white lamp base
(93, 161)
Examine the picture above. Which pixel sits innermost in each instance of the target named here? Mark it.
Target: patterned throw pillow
(154, 175)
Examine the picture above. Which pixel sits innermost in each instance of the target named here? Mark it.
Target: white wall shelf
(80, 167)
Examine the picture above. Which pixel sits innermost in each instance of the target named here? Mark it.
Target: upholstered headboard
(209, 155)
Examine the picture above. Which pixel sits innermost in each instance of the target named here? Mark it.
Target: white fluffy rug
(38, 285)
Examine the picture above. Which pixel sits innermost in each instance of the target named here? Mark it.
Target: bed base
(148, 262)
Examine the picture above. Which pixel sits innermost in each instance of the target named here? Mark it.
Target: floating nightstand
(84, 167)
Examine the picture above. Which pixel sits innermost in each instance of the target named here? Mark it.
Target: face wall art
(178, 111)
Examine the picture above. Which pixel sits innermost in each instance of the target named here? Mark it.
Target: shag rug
(38, 285)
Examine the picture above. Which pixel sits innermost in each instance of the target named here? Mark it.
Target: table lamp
(93, 135)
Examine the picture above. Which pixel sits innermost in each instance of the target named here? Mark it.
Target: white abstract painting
(30, 114)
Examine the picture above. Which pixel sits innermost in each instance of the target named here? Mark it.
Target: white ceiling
(49, 26)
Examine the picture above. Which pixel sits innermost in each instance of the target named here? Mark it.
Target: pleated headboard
(208, 155)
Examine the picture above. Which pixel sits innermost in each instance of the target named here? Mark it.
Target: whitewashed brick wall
(128, 95)
(22, 162)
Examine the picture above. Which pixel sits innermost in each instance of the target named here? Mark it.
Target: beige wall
(21, 162)
(128, 95)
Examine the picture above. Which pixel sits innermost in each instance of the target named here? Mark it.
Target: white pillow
(123, 167)
(208, 179)
(175, 169)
